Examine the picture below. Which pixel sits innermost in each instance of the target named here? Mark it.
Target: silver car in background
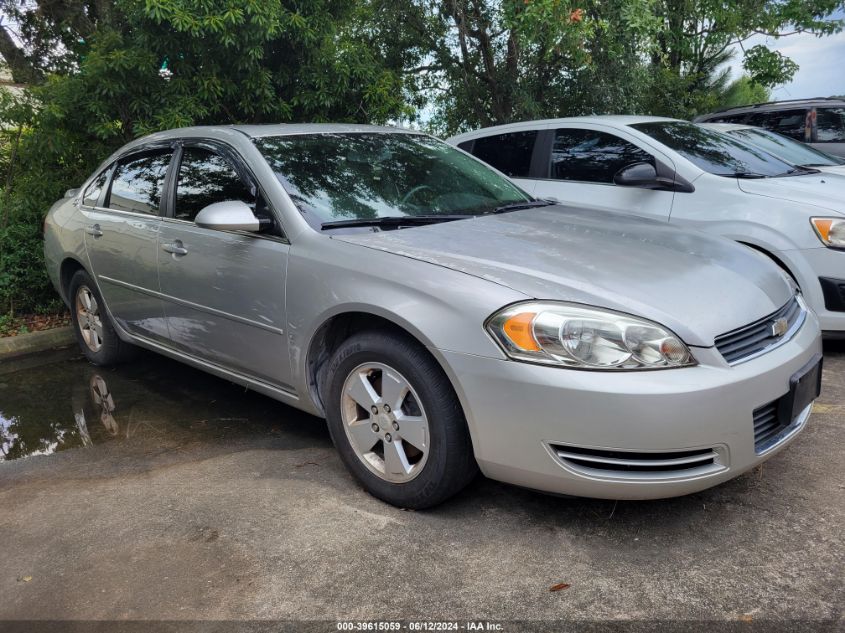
(440, 318)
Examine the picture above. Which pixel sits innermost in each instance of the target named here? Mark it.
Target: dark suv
(818, 122)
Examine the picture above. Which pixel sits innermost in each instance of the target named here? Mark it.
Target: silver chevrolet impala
(439, 318)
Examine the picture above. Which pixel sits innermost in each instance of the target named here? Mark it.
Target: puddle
(59, 402)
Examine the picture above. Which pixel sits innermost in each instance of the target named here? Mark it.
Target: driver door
(223, 291)
(582, 165)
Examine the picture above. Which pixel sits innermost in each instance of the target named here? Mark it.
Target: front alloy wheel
(396, 420)
(385, 423)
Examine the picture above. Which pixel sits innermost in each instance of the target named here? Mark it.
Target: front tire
(94, 330)
(396, 421)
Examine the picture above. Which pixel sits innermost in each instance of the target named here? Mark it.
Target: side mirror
(230, 215)
(647, 176)
(71, 193)
(637, 175)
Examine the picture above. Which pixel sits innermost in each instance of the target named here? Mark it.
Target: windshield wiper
(800, 170)
(518, 206)
(393, 221)
(746, 174)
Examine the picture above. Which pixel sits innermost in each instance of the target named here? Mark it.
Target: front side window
(206, 177)
(714, 152)
(138, 183)
(91, 197)
(830, 125)
(787, 122)
(590, 156)
(356, 176)
(509, 153)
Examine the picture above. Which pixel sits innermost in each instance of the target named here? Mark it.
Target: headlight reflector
(831, 231)
(571, 335)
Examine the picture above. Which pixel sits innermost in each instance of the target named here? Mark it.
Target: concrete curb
(14, 346)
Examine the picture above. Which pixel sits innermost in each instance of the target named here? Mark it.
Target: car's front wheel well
(68, 269)
(329, 337)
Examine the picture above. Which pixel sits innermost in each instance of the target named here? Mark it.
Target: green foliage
(743, 91)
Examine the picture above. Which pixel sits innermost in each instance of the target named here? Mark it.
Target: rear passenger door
(511, 153)
(581, 165)
(223, 291)
(122, 208)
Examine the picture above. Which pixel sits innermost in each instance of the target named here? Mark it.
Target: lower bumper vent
(669, 464)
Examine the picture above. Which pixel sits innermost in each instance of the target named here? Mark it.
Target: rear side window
(138, 183)
(830, 125)
(590, 156)
(787, 122)
(91, 198)
(206, 177)
(509, 153)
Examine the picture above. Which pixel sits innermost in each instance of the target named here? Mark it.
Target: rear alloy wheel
(95, 333)
(396, 421)
(89, 319)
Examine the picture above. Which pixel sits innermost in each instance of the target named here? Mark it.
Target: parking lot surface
(154, 491)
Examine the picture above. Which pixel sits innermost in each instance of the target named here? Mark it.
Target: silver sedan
(440, 319)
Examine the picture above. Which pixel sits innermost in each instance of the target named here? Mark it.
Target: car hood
(697, 285)
(825, 190)
(839, 170)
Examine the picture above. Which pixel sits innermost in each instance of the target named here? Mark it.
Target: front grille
(607, 462)
(752, 339)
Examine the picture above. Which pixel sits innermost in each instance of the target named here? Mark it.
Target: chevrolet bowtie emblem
(779, 327)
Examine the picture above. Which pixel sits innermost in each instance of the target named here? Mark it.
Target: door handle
(175, 248)
(94, 230)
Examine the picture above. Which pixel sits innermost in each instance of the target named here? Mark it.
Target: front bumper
(522, 416)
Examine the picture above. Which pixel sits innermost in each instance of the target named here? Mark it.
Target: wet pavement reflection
(59, 401)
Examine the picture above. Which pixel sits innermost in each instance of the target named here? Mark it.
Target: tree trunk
(23, 71)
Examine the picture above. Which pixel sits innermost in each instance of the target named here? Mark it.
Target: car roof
(607, 119)
(221, 132)
(773, 106)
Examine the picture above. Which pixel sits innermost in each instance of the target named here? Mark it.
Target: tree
(495, 61)
(697, 37)
(743, 91)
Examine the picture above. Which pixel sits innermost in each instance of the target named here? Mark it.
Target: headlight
(831, 231)
(571, 335)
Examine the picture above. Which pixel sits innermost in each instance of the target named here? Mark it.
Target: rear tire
(396, 420)
(94, 330)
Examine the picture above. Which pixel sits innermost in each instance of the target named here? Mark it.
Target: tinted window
(590, 156)
(363, 176)
(204, 178)
(787, 122)
(731, 118)
(138, 183)
(830, 125)
(713, 152)
(92, 193)
(509, 153)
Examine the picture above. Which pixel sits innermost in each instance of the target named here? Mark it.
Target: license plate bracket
(805, 385)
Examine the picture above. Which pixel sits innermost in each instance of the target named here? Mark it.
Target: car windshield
(372, 175)
(786, 148)
(714, 152)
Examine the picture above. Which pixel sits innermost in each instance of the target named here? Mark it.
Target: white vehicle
(788, 149)
(680, 172)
